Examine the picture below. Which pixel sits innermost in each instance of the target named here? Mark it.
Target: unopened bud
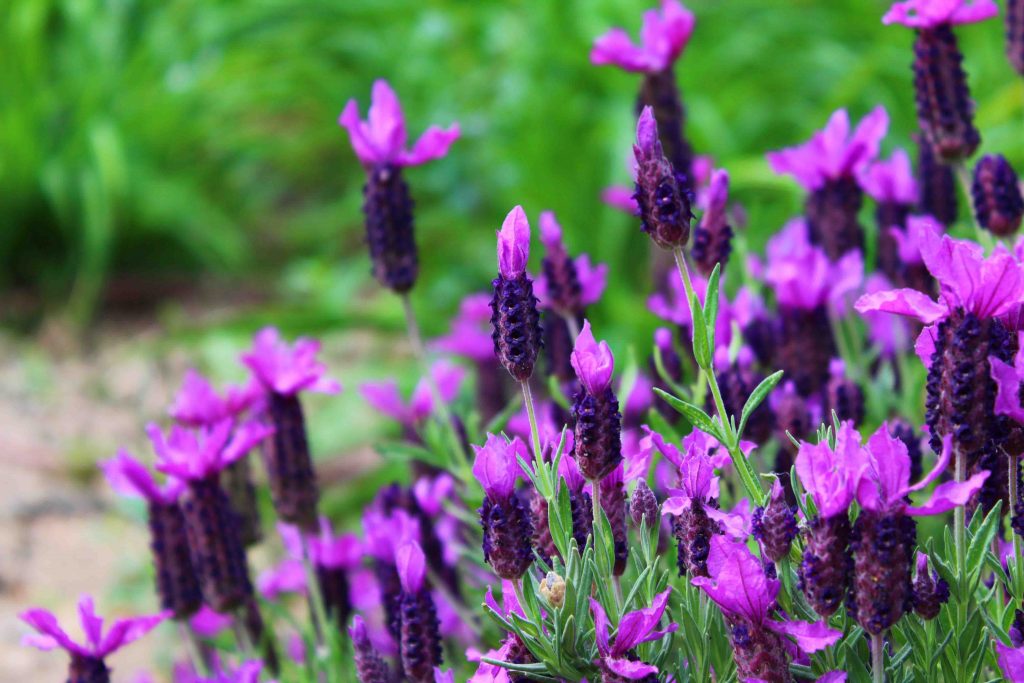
(552, 588)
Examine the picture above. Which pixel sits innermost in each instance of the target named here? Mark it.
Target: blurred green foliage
(188, 137)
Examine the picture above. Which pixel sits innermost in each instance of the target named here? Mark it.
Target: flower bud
(661, 190)
(998, 204)
(370, 666)
(643, 505)
(552, 589)
(774, 526)
(930, 591)
(824, 573)
(660, 92)
(389, 228)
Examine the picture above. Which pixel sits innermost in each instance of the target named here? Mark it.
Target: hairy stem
(877, 659)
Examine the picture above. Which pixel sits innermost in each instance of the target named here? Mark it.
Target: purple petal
(1007, 389)
(386, 122)
(411, 566)
(443, 676)
(810, 637)
(940, 464)
(909, 302)
(931, 13)
(514, 244)
(891, 181)
(593, 279)
(288, 576)
(949, 495)
(648, 145)
(832, 677)
(639, 626)
(887, 476)
(243, 440)
(385, 398)
(357, 133)
(632, 671)
(52, 635)
(209, 624)
(616, 48)
(129, 477)
(600, 627)
(924, 346)
(592, 362)
(495, 467)
(433, 144)
(621, 198)
(197, 402)
(832, 477)
(127, 631)
(737, 582)
(863, 145)
(1011, 661)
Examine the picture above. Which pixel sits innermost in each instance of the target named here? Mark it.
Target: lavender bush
(741, 503)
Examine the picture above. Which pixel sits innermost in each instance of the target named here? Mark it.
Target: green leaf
(757, 396)
(697, 417)
(981, 541)
(711, 299)
(701, 351)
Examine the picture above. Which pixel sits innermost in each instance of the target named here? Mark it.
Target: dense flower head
(381, 138)
(385, 397)
(639, 626)
(49, 635)
(496, 467)
(833, 153)
(288, 369)
(662, 192)
(514, 244)
(663, 38)
(200, 453)
(890, 181)
(592, 361)
(129, 477)
(926, 14)
(198, 403)
(591, 280)
(802, 276)
(832, 475)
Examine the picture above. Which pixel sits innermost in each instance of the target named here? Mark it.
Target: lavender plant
(802, 551)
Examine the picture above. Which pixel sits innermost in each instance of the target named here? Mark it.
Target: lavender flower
(930, 590)
(998, 205)
(661, 190)
(663, 38)
(893, 187)
(514, 316)
(774, 525)
(420, 643)
(598, 435)
(737, 381)
(567, 285)
(747, 598)
(386, 530)
(176, 583)
(379, 143)
(643, 505)
(827, 166)
(938, 193)
(844, 396)
(370, 666)
(512, 649)
(884, 535)
(639, 626)
(945, 111)
(613, 502)
(87, 660)
(1008, 379)
(831, 477)
(284, 370)
(1015, 34)
(506, 523)
(713, 235)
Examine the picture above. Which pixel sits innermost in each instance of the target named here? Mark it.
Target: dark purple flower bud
(831, 212)
(514, 315)
(562, 281)
(792, 418)
(506, 523)
(930, 590)
(237, 482)
(844, 395)
(390, 234)
(883, 547)
(289, 466)
(1017, 628)
(824, 573)
(660, 92)
(761, 335)
(945, 111)
(712, 237)
(87, 670)
(1015, 34)
(176, 581)
(386, 575)
(542, 541)
(420, 642)
(904, 431)
(760, 653)
(774, 526)
(643, 504)
(598, 434)
(217, 552)
(558, 347)
(736, 382)
(938, 193)
(613, 502)
(805, 347)
(370, 666)
(693, 529)
(661, 190)
(998, 204)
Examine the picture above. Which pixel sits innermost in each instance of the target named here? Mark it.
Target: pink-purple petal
(949, 495)
(810, 637)
(908, 302)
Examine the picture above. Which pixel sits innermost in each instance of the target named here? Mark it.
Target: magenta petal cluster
(737, 583)
(592, 361)
(803, 276)
(381, 138)
(288, 369)
(663, 38)
(470, 334)
(514, 244)
(832, 476)
(201, 453)
(49, 635)
(640, 626)
(890, 181)
(1008, 379)
(833, 153)
(385, 397)
(496, 466)
(925, 14)
(198, 403)
(129, 477)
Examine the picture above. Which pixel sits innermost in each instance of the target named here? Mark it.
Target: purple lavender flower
(831, 477)
(514, 315)
(827, 166)
(284, 370)
(930, 590)
(662, 193)
(746, 596)
(1015, 34)
(884, 535)
(662, 39)
(806, 283)
(567, 286)
(713, 235)
(1008, 379)
(639, 626)
(998, 204)
(370, 666)
(598, 434)
(964, 328)
(938, 191)
(945, 111)
(379, 143)
(176, 581)
(643, 505)
(506, 523)
(844, 396)
(386, 530)
(1011, 661)
(87, 660)
(420, 643)
(613, 501)
(774, 525)
(893, 187)
(580, 506)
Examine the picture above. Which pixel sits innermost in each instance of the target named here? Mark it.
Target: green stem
(960, 540)
(457, 457)
(317, 611)
(877, 659)
(1018, 574)
(194, 648)
(574, 327)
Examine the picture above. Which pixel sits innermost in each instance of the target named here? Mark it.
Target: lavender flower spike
(661, 190)
(507, 527)
(420, 642)
(635, 627)
(598, 434)
(87, 660)
(930, 590)
(1015, 34)
(370, 666)
(774, 526)
(514, 315)
(998, 205)
(713, 235)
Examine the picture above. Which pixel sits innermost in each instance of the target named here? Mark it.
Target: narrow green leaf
(697, 417)
(711, 299)
(701, 351)
(757, 396)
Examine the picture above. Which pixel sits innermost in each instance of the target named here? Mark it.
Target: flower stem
(194, 648)
(877, 659)
(531, 413)
(574, 327)
(1018, 574)
(457, 457)
(317, 611)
